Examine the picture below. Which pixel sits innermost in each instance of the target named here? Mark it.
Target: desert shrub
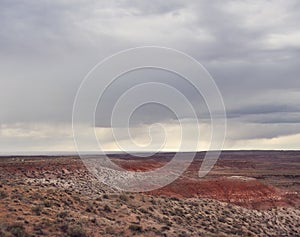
(62, 214)
(46, 222)
(226, 212)
(151, 209)
(166, 212)
(76, 231)
(178, 212)
(143, 210)
(16, 196)
(3, 194)
(17, 229)
(136, 228)
(174, 198)
(67, 201)
(64, 227)
(183, 234)
(12, 209)
(236, 225)
(164, 228)
(38, 228)
(99, 199)
(94, 220)
(123, 197)
(194, 204)
(110, 230)
(177, 219)
(107, 208)
(47, 203)
(169, 223)
(89, 209)
(2, 234)
(37, 209)
(105, 196)
(153, 202)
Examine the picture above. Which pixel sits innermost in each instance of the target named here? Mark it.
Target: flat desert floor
(248, 193)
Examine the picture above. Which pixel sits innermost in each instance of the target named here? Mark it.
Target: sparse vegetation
(3, 194)
(76, 231)
(62, 214)
(123, 198)
(105, 196)
(107, 208)
(136, 228)
(17, 229)
(78, 206)
(37, 209)
(47, 203)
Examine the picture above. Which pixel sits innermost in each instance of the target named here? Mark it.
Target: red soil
(225, 182)
(230, 181)
(251, 193)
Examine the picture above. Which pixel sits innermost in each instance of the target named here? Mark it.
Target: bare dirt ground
(248, 193)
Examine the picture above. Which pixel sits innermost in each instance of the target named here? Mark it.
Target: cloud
(251, 48)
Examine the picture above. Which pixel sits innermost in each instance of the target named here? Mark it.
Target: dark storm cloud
(152, 112)
(251, 48)
(278, 118)
(263, 109)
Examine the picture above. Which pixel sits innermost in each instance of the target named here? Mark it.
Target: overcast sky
(251, 49)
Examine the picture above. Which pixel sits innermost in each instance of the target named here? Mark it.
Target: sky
(250, 48)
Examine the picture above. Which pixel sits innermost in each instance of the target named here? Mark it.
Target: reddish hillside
(243, 192)
(248, 181)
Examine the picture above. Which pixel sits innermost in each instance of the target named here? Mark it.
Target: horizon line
(73, 153)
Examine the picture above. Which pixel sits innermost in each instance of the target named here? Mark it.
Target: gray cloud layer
(251, 48)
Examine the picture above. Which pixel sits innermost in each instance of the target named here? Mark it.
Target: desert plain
(247, 193)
